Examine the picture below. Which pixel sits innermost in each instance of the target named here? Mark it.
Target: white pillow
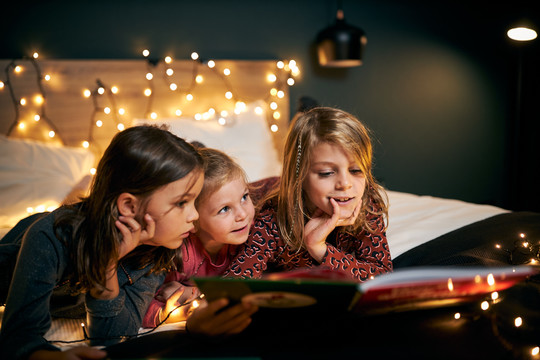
(37, 175)
(247, 140)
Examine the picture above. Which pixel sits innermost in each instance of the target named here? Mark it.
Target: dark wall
(438, 86)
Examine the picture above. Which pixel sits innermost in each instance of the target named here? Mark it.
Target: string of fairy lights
(39, 99)
(104, 96)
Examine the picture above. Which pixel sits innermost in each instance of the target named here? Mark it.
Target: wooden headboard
(66, 95)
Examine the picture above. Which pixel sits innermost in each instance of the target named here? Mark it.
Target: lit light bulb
(87, 93)
(93, 171)
(114, 89)
(120, 127)
(122, 111)
(276, 115)
(490, 280)
(107, 110)
(35, 55)
(273, 105)
(22, 101)
(37, 117)
(2, 85)
(521, 34)
(228, 95)
(147, 92)
(189, 97)
(259, 110)
(47, 77)
(194, 55)
(211, 64)
(281, 94)
(168, 59)
(271, 78)
(85, 144)
(101, 91)
(178, 112)
(18, 69)
(173, 86)
(290, 81)
(146, 53)
(518, 321)
(21, 125)
(457, 316)
(51, 134)
(149, 76)
(169, 72)
(153, 115)
(226, 72)
(39, 100)
(484, 305)
(280, 64)
(99, 123)
(199, 79)
(274, 128)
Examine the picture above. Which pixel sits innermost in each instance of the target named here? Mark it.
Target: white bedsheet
(415, 219)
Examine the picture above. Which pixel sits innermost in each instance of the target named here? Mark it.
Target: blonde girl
(328, 210)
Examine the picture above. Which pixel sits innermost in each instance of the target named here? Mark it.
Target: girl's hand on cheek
(318, 228)
(133, 234)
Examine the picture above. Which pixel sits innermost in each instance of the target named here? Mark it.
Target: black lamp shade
(341, 45)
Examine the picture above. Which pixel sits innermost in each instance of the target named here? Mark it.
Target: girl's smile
(334, 174)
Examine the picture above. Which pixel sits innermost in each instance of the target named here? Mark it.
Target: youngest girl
(226, 214)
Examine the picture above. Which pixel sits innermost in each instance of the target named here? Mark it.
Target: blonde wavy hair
(316, 126)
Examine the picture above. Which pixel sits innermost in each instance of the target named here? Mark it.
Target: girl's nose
(194, 215)
(343, 182)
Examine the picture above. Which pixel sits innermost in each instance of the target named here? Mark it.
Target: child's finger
(176, 295)
(149, 230)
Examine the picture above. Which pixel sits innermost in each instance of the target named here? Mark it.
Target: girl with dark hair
(105, 256)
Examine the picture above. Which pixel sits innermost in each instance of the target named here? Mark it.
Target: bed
(244, 114)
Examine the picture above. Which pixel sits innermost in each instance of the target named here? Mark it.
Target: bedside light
(340, 45)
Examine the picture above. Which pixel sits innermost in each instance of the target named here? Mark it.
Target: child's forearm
(112, 289)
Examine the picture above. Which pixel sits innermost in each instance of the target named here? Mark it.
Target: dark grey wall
(438, 85)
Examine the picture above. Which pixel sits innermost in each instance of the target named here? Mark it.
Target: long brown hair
(323, 125)
(139, 160)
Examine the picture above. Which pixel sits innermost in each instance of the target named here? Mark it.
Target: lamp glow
(521, 34)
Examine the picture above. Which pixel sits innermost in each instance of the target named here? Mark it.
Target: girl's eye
(182, 203)
(245, 197)
(356, 172)
(224, 210)
(325, 173)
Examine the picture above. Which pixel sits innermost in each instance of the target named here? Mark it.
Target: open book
(403, 289)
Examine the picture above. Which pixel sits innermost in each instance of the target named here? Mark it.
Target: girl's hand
(76, 353)
(133, 234)
(209, 321)
(182, 295)
(167, 290)
(321, 225)
(317, 229)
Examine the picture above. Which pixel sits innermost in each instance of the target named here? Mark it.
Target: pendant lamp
(340, 45)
